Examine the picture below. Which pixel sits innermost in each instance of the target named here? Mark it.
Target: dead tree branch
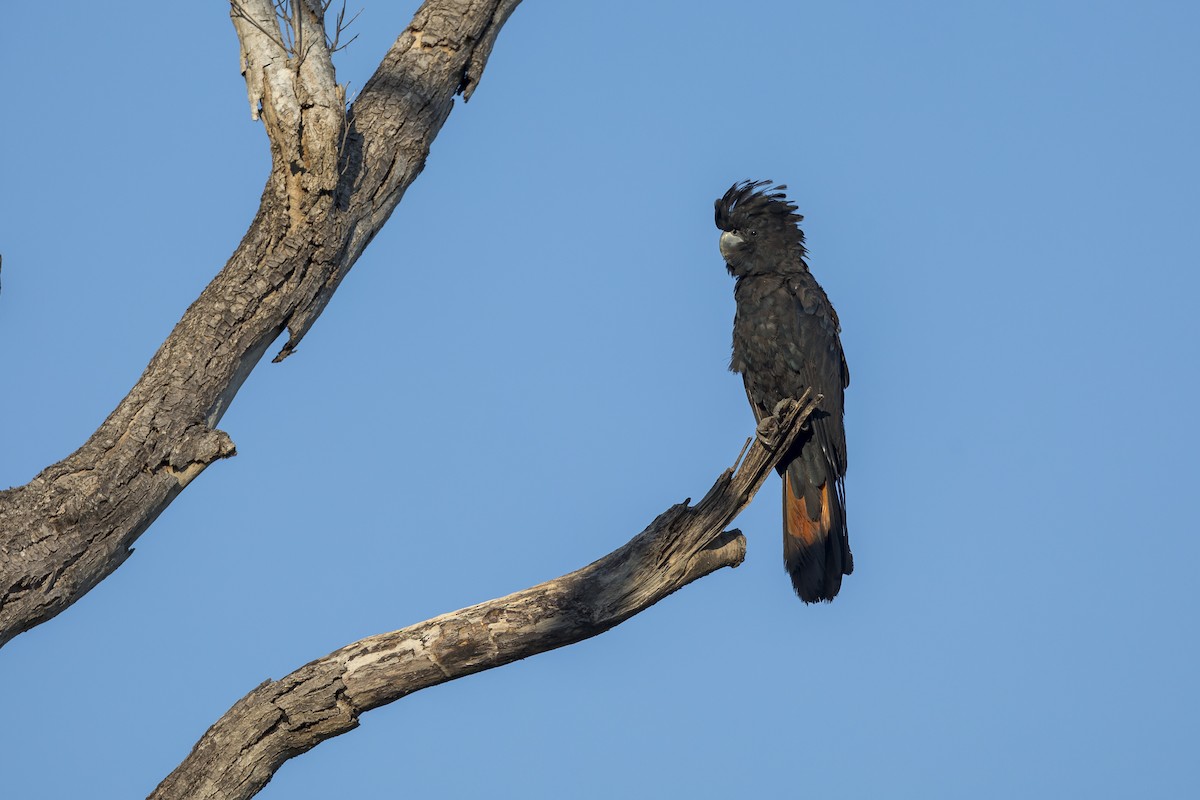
(285, 718)
(337, 174)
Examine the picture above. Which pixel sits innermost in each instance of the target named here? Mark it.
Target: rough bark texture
(324, 698)
(336, 176)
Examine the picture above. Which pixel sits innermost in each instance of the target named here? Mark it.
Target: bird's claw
(768, 432)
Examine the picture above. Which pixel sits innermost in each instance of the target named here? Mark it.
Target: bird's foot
(768, 432)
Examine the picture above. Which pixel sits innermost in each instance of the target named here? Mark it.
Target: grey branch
(285, 718)
(337, 174)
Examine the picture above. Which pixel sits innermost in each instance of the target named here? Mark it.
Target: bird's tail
(816, 548)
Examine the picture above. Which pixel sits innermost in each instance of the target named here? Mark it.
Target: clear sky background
(529, 364)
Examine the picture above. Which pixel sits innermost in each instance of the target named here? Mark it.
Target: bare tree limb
(285, 718)
(290, 79)
(336, 177)
(258, 34)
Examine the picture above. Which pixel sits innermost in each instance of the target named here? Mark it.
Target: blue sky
(529, 364)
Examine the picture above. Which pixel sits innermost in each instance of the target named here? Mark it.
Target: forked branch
(336, 176)
(282, 719)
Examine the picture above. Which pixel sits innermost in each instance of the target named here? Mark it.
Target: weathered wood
(336, 176)
(324, 698)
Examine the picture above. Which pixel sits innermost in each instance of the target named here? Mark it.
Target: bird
(786, 339)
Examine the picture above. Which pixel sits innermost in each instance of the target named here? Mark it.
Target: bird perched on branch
(785, 340)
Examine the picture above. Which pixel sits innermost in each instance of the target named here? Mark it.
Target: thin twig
(340, 26)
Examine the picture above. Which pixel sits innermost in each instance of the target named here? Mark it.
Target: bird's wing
(814, 353)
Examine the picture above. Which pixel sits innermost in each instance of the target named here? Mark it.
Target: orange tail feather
(814, 547)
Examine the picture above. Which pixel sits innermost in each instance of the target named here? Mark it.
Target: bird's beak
(729, 243)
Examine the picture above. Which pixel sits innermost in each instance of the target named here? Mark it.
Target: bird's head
(760, 229)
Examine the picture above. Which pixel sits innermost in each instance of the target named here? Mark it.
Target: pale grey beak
(729, 242)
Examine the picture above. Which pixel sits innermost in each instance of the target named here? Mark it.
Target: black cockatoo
(785, 340)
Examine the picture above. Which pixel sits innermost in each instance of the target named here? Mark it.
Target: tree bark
(282, 719)
(337, 174)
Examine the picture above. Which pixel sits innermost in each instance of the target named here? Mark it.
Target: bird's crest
(759, 203)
